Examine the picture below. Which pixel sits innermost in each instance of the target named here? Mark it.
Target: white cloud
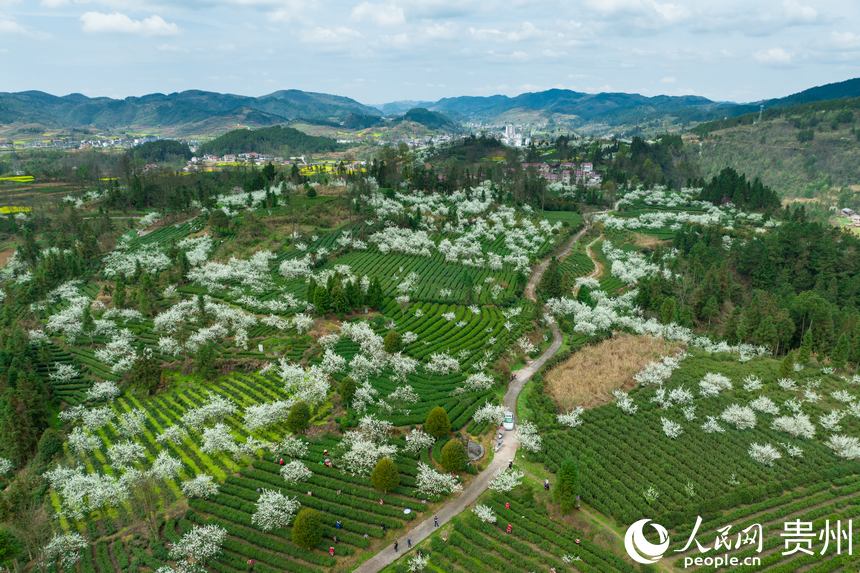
(388, 14)
(644, 12)
(155, 25)
(332, 35)
(845, 40)
(774, 57)
(10, 26)
(668, 80)
(797, 13)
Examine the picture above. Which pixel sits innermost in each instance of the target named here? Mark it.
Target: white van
(508, 423)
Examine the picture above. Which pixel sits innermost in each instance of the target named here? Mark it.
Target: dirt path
(540, 269)
(508, 450)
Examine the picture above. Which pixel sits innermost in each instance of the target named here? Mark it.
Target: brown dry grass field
(590, 375)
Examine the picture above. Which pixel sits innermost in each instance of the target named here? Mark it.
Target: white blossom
(712, 384)
(847, 447)
(65, 548)
(765, 454)
(126, 453)
(418, 440)
(295, 471)
(165, 466)
(103, 391)
(741, 417)
(671, 429)
(528, 436)
(764, 405)
(712, 426)
(798, 425)
(571, 419)
(200, 544)
(202, 486)
(485, 513)
(493, 413)
(274, 510)
(506, 480)
(433, 483)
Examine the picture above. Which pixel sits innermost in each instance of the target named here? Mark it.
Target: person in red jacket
(509, 528)
(331, 550)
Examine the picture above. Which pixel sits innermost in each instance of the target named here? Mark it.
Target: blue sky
(384, 50)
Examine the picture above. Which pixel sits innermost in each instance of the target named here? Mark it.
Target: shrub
(347, 390)
(385, 476)
(299, 418)
(437, 423)
(307, 528)
(454, 456)
(393, 341)
(567, 487)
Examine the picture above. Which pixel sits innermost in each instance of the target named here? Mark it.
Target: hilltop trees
(731, 186)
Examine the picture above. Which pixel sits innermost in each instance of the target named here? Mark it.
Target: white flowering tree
(202, 486)
(527, 434)
(492, 413)
(418, 440)
(65, 549)
(847, 447)
(798, 425)
(102, 391)
(741, 417)
(295, 471)
(199, 546)
(165, 466)
(485, 513)
(274, 510)
(765, 454)
(433, 483)
(506, 480)
(5, 466)
(571, 419)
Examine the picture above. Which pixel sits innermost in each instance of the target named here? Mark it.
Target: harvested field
(589, 376)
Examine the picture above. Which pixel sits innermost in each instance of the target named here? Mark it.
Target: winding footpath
(503, 455)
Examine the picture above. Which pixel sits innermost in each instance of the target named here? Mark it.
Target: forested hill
(277, 139)
(799, 150)
(192, 111)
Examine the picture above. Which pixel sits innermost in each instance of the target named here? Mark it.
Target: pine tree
(437, 423)
(551, 281)
(841, 351)
(454, 457)
(385, 476)
(805, 354)
(299, 418)
(307, 528)
(567, 486)
(392, 341)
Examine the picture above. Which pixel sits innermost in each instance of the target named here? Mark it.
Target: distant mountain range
(202, 113)
(180, 113)
(611, 110)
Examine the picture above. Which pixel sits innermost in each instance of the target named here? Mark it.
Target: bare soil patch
(5, 255)
(647, 241)
(590, 375)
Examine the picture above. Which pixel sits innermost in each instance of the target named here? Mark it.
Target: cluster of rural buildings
(852, 215)
(567, 172)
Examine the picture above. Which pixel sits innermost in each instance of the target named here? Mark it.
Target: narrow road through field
(506, 453)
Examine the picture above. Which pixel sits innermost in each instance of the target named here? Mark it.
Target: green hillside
(276, 139)
(799, 150)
